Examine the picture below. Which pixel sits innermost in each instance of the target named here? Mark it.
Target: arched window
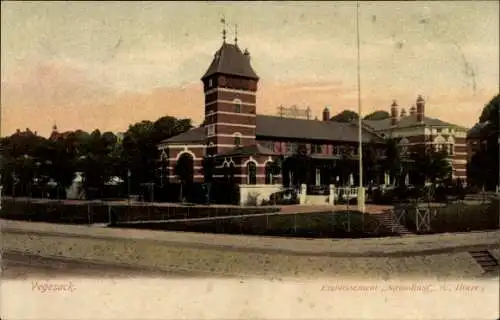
(184, 167)
(251, 173)
(237, 105)
(237, 139)
(403, 144)
(269, 172)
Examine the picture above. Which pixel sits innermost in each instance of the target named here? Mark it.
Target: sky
(106, 65)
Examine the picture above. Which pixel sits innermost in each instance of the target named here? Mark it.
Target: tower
(230, 86)
(420, 109)
(394, 113)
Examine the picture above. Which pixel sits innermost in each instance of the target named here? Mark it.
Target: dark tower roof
(229, 60)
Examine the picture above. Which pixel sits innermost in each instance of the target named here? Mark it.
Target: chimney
(394, 113)
(420, 109)
(326, 114)
(246, 54)
(403, 113)
(413, 110)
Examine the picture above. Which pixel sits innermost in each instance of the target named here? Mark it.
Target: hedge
(310, 225)
(102, 212)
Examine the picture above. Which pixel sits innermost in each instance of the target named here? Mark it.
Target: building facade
(247, 143)
(416, 132)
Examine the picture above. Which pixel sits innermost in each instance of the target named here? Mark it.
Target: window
(316, 148)
(269, 173)
(403, 146)
(237, 105)
(210, 130)
(353, 151)
(450, 149)
(251, 173)
(291, 147)
(210, 83)
(237, 139)
(268, 145)
(336, 150)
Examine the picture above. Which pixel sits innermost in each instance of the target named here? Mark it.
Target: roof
(230, 60)
(287, 128)
(251, 150)
(277, 127)
(193, 135)
(408, 121)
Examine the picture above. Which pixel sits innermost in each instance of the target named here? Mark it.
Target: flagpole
(361, 190)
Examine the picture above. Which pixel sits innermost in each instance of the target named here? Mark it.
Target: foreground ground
(445, 255)
(17, 265)
(80, 272)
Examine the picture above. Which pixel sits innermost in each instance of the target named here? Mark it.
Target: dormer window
(237, 105)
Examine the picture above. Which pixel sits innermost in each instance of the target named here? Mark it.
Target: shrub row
(310, 225)
(59, 212)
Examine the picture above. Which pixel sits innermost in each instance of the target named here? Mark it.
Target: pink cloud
(59, 93)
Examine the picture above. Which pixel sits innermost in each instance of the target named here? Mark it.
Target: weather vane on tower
(223, 21)
(235, 34)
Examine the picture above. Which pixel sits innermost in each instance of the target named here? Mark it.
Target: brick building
(415, 131)
(239, 138)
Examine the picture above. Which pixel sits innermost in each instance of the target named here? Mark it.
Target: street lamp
(128, 185)
(361, 189)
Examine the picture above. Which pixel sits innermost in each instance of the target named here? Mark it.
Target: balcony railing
(318, 190)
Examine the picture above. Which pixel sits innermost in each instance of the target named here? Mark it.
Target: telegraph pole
(361, 189)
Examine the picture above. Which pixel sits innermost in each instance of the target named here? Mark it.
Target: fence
(108, 212)
(346, 224)
(452, 217)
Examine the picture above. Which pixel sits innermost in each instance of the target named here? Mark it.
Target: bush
(383, 197)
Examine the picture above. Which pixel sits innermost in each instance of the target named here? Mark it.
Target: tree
(371, 162)
(491, 112)
(484, 168)
(430, 165)
(300, 164)
(378, 115)
(345, 116)
(140, 150)
(208, 165)
(392, 164)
